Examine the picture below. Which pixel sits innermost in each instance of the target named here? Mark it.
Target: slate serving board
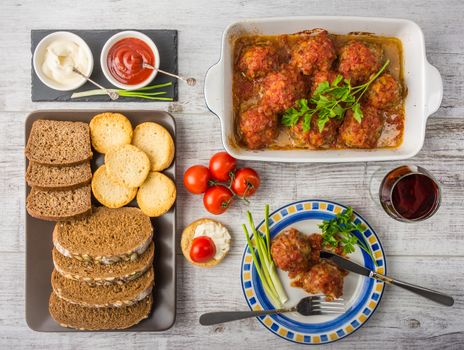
(165, 40)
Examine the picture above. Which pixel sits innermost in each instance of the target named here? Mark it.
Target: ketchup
(125, 60)
(414, 196)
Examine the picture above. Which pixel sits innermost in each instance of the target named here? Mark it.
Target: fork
(312, 305)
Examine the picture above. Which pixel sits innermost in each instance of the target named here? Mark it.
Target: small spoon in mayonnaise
(111, 93)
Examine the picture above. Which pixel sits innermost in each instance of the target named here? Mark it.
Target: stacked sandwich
(103, 276)
(59, 172)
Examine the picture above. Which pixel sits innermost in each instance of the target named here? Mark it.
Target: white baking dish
(425, 88)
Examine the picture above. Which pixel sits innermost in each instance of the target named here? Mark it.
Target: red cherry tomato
(203, 249)
(196, 179)
(217, 199)
(220, 166)
(246, 182)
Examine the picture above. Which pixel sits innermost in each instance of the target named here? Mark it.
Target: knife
(361, 270)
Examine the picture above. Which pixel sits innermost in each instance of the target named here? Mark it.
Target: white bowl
(38, 57)
(425, 87)
(114, 39)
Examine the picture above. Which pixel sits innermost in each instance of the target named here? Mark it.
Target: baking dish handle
(434, 89)
(213, 89)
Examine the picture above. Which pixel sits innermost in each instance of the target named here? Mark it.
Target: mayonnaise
(59, 59)
(218, 234)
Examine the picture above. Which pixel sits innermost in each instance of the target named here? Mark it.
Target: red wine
(414, 196)
(409, 193)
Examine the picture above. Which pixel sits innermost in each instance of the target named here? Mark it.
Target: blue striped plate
(362, 295)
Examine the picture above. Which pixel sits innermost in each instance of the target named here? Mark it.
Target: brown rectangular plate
(39, 264)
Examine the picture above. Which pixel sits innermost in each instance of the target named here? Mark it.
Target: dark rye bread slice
(107, 236)
(53, 142)
(102, 318)
(116, 295)
(59, 205)
(48, 177)
(100, 274)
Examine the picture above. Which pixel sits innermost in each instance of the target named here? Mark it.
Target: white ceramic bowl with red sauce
(114, 41)
(424, 83)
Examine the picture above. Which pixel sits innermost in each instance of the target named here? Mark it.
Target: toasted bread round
(187, 239)
(127, 165)
(110, 193)
(157, 194)
(156, 142)
(108, 130)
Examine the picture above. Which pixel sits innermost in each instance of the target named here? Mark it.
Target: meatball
(320, 77)
(259, 127)
(384, 93)
(358, 61)
(324, 278)
(281, 89)
(362, 134)
(257, 61)
(315, 241)
(291, 251)
(313, 53)
(313, 137)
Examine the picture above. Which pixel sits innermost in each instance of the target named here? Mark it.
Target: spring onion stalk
(144, 92)
(260, 249)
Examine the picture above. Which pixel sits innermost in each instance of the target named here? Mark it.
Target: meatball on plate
(295, 249)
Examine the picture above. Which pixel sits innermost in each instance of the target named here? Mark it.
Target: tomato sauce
(125, 61)
(247, 92)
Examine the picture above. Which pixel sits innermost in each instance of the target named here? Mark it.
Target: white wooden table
(430, 253)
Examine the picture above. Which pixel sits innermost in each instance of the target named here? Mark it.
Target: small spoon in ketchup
(189, 81)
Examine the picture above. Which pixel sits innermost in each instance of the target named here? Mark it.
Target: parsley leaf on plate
(338, 231)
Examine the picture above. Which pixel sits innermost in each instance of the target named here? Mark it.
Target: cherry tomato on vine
(196, 179)
(203, 249)
(245, 182)
(221, 165)
(217, 199)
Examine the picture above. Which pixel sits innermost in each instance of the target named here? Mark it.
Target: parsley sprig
(339, 231)
(329, 100)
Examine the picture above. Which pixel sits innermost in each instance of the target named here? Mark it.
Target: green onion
(144, 92)
(263, 261)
